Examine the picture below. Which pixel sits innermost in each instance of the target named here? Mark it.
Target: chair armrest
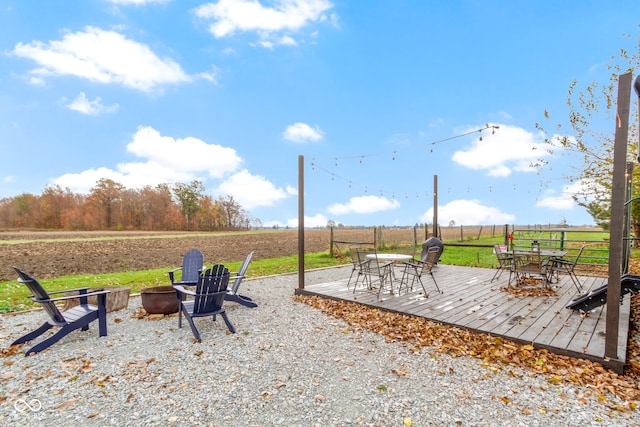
(172, 273)
(90, 294)
(183, 290)
(183, 283)
(67, 290)
(414, 263)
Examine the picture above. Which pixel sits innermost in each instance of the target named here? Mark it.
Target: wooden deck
(470, 300)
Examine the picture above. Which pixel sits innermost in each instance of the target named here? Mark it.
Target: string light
(336, 162)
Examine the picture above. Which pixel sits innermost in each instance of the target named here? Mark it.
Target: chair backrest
(504, 257)
(432, 258)
(353, 252)
(362, 253)
(192, 263)
(577, 258)
(242, 272)
(431, 242)
(528, 261)
(211, 289)
(40, 295)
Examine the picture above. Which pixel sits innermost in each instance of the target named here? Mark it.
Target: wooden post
(628, 176)
(331, 242)
(617, 216)
(300, 222)
(435, 206)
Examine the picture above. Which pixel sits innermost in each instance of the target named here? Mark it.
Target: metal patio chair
(415, 269)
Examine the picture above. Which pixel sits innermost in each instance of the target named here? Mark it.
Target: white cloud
(364, 205)
(188, 154)
(318, 220)
(168, 160)
(101, 56)
(468, 212)
(251, 191)
(231, 16)
(507, 149)
(564, 200)
(82, 105)
(302, 132)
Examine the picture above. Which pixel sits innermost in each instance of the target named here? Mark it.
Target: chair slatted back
(211, 289)
(528, 262)
(40, 296)
(192, 263)
(241, 273)
(504, 257)
(577, 258)
(431, 259)
(372, 267)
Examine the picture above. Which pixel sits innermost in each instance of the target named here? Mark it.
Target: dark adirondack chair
(78, 317)
(192, 264)
(232, 294)
(208, 298)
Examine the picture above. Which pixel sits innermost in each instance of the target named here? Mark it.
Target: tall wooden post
(435, 206)
(300, 222)
(617, 216)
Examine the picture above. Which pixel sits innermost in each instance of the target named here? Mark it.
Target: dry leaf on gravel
(418, 332)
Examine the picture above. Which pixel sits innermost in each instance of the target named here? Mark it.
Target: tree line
(111, 206)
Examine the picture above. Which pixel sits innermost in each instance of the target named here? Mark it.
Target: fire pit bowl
(159, 300)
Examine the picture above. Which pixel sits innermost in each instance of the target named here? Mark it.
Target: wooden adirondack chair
(192, 264)
(232, 294)
(78, 317)
(208, 297)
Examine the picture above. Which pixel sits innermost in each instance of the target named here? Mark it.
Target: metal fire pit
(159, 300)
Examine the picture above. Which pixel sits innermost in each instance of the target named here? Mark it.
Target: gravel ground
(288, 365)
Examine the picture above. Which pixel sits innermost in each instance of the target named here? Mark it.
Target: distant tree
(452, 223)
(234, 216)
(104, 196)
(188, 198)
(331, 223)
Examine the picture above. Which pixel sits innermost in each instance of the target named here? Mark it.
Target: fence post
(375, 237)
(461, 233)
(331, 242)
(506, 235)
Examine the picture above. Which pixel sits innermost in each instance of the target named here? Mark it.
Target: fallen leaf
(66, 404)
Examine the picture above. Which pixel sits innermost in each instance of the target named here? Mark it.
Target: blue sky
(375, 95)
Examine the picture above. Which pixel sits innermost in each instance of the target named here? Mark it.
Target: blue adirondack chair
(232, 293)
(192, 264)
(78, 317)
(208, 298)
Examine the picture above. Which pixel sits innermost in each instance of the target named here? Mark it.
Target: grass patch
(16, 297)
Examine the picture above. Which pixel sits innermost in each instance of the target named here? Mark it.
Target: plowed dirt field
(47, 254)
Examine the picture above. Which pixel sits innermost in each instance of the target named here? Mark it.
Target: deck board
(469, 299)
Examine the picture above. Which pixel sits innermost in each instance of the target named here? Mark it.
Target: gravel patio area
(288, 365)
